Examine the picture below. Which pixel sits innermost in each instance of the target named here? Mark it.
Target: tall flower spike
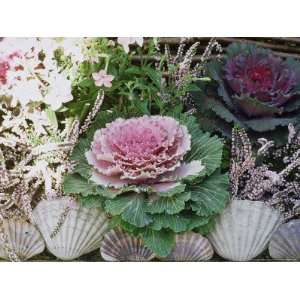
(92, 114)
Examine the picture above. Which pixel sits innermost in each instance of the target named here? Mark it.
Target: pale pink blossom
(148, 150)
(102, 78)
(126, 41)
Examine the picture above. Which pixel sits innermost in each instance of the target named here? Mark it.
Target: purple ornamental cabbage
(255, 88)
(263, 76)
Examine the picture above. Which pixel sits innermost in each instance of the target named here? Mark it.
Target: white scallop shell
(23, 238)
(80, 233)
(244, 229)
(191, 246)
(285, 242)
(118, 245)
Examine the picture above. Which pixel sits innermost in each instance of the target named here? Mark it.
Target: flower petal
(164, 187)
(186, 169)
(108, 181)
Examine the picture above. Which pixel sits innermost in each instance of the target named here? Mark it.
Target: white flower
(12, 45)
(126, 41)
(26, 91)
(59, 91)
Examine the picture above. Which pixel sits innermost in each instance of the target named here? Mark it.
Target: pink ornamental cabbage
(141, 151)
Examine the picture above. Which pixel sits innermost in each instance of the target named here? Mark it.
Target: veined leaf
(211, 195)
(177, 223)
(208, 149)
(214, 69)
(266, 124)
(253, 108)
(78, 155)
(206, 228)
(222, 111)
(76, 184)
(160, 242)
(205, 147)
(131, 208)
(170, 205)
(92, 201)
(180, 188)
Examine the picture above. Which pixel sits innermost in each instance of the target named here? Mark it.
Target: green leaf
(112, 193)
(177, 223)
(51, 115)
(76, 184)
(211, 195)
(78, 155)
(206, 148)
(160, 242)
(217, 107)
(292, 105)
(206, 228)
(131, 208)
(142, 106)
(91, 201)
(253, 108)
(102, 118)
(267, 124)
(154, 74)
(180, 188)
(117, 221)
(214, 69)
(195, 221)
(170, 205)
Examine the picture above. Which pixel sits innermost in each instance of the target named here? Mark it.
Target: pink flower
(6, 64)
(4, 67)
(145, 150)
(126, 41)
(101, 78)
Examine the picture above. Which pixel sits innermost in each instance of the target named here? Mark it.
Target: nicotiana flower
(26, 91)
(102, 78)
(30, 73)
(142, 151)
(59, 91)
(126, 41)
(254, 88)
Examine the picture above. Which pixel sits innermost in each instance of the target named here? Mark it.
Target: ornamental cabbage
(253, 88)
(155, 176)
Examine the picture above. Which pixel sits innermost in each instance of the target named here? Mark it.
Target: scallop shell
(23, 238)
(285, 243)
(80, 232)
(191, 246)
(120, 246)
(244, 229)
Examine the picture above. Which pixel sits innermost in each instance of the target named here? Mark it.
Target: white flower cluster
(29, 71)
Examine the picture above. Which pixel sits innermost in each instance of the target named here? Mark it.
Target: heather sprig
(271, 174)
